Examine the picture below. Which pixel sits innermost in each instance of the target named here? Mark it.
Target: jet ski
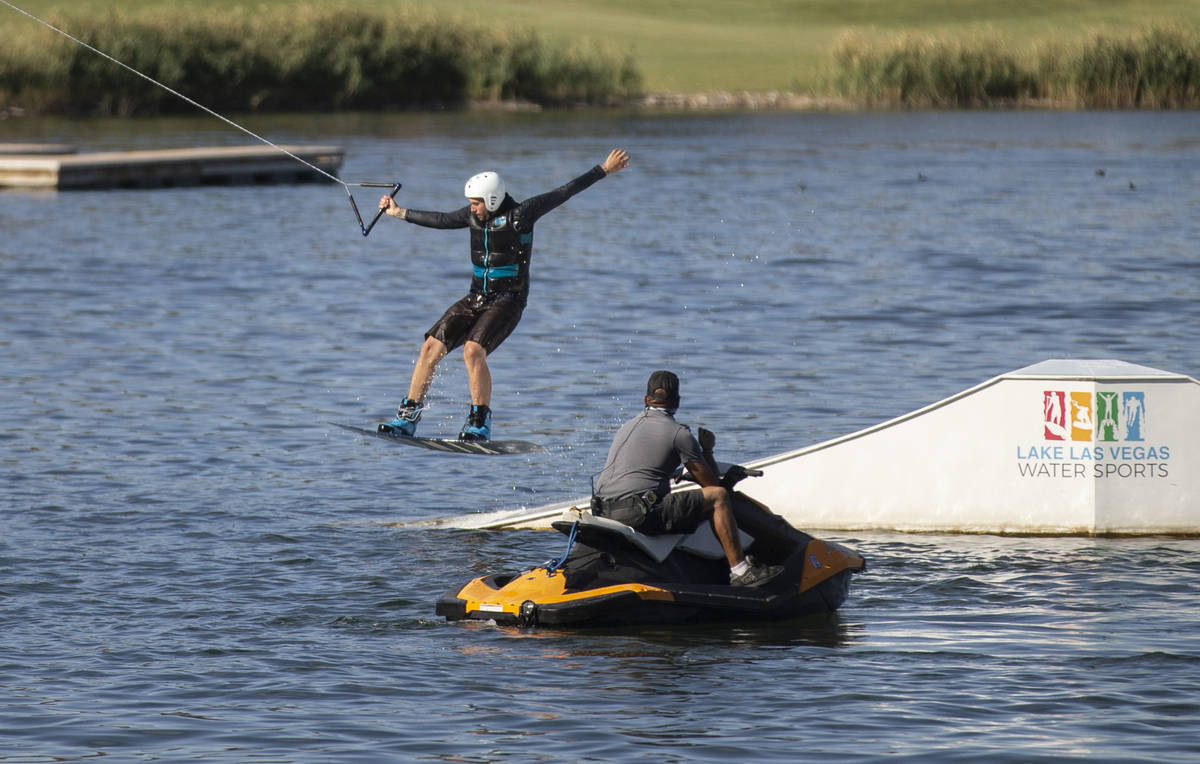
(613, 575)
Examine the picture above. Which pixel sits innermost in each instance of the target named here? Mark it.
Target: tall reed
(930, 71)
(298, 58)
(1156, 68)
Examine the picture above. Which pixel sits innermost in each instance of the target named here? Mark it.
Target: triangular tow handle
(366, 229)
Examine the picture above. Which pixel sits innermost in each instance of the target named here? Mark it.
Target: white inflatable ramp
(1060, 447)
(536, 518)
(1091, 447)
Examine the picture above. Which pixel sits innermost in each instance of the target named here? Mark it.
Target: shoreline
(710, 101)
(774, 100)
(716, 100)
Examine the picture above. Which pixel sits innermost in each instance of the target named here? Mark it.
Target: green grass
(1085, 52)
(296, 58)
(757, 45)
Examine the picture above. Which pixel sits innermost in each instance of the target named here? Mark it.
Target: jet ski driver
(501, 244)
(634, 486)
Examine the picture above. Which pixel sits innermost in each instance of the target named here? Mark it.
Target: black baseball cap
(663, 385)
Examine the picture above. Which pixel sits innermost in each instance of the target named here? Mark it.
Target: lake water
(195, 566)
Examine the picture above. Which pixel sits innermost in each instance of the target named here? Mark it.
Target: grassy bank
(1154, 68)
(297, 58)
(361, 54)
(702, 46)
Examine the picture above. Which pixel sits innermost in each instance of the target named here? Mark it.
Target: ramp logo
(1106, 417)
(1097, 435)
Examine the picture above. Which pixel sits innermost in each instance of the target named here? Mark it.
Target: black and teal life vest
(500, 253)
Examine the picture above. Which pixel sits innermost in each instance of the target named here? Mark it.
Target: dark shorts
(487, 321)
(680, 512)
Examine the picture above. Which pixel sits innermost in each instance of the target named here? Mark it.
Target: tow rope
(552, 566)
(366, 229)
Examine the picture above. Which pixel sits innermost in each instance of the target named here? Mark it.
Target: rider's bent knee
(473, 351)
(433, 348)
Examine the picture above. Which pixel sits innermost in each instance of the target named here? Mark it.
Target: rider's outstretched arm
(534, 207)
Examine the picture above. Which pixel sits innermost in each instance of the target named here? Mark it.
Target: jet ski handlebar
(730, 474)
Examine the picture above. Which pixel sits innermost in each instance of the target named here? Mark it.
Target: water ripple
(195, 566)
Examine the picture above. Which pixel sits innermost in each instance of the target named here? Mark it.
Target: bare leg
(433, 351)
(723, 523)
(479, 377)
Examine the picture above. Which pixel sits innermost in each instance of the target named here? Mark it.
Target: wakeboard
(451, 445)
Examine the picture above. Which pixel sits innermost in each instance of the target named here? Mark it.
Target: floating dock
(1063, 447)
(46, 167)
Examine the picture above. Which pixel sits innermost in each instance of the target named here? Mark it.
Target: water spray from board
(364, 227)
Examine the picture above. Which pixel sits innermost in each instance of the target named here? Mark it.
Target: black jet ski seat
(701, 542)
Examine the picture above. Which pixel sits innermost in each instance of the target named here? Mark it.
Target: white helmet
(489, 187)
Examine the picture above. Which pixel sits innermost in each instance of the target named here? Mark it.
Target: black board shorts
(478, 318)
(680, 512)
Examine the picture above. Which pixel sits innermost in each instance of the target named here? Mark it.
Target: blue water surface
(196, 566)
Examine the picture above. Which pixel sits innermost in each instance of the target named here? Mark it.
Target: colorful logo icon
(1103, 417)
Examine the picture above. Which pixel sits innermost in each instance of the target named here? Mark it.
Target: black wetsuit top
(501, 247)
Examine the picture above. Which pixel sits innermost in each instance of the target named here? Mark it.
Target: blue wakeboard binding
(406, 419)
(479, 424)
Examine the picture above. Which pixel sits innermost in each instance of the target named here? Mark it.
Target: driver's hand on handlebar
(707, 439)
(733, 475)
